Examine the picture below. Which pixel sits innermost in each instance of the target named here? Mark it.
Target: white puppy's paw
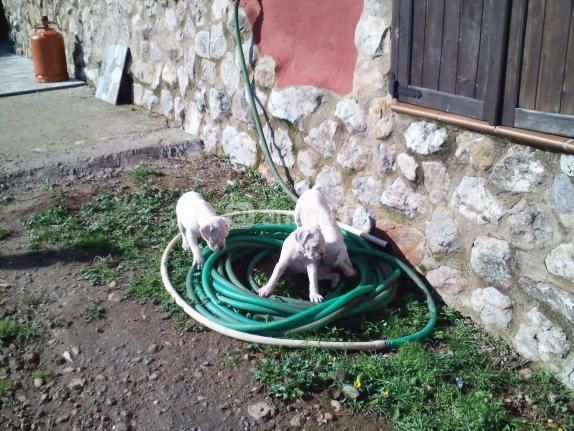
(185, 246)
(315, 298)
(198, 263)
(265, 291)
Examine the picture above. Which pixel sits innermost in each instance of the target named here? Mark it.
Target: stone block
(490, 259)
(425, 138)
(404, 199)
(473, 200)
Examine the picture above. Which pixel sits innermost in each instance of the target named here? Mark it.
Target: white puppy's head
(215, 232)
(311, 242)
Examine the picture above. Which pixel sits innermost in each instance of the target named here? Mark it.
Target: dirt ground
(137, 368)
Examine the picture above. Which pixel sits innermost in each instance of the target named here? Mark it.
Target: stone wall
(489, 222)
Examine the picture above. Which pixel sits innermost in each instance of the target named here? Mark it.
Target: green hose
(218, 294)
(262, 141)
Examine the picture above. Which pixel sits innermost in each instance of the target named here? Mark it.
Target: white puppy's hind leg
(325, 273)
(347, 267)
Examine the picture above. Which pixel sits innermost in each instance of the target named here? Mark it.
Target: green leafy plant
(5, 387)
(141, 173)
(10, 331)
(4, 233)
(94, 311)
(99, 273)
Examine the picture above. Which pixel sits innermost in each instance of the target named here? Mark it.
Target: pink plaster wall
(312, 41)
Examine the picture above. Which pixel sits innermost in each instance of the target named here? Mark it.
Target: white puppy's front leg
(314, 295)
(278, 271)
(194, 246)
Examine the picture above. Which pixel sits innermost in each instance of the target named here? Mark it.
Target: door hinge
(397, 90)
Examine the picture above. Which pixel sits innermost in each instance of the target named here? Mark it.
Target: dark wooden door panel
(532, 52)
(418, 44)
(450, 46)
(470, 25)
(433, 43)
(567, 103)
(514, 60)
(553, 58)
(539, 93)
(450, 63)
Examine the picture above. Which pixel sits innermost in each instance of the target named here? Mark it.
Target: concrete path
(17, 76)
(59, 136)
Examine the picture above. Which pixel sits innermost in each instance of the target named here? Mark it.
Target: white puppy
(195, 218)
(315, 246)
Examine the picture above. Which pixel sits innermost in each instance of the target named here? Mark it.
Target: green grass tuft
(141, 173)
(5, 387)
(4, 233)
(12, 331)
(94, 311)
(100, 273)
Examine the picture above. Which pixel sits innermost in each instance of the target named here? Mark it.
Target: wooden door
(539, 90)
(449, 55)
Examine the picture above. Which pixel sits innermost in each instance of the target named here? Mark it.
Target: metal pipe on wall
(540, 140)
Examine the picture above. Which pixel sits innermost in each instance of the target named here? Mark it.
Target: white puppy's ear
(227, 221)
(301, 236)
(205, 231)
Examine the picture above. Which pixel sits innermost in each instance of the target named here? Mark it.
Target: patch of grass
(445, 383)
(141, 173)
(229, 361)
(12, 331)
(94, 311)
(47, 186)
(5, 387)
(4, 233)
(101, 272)
(48, 227)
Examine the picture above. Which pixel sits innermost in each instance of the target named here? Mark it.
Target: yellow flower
(386, 394)
(560, 429)
(357, 382)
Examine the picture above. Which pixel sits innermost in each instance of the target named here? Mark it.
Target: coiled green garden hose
(218, 299)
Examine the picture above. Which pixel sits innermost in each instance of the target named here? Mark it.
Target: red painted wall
(312, 41)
